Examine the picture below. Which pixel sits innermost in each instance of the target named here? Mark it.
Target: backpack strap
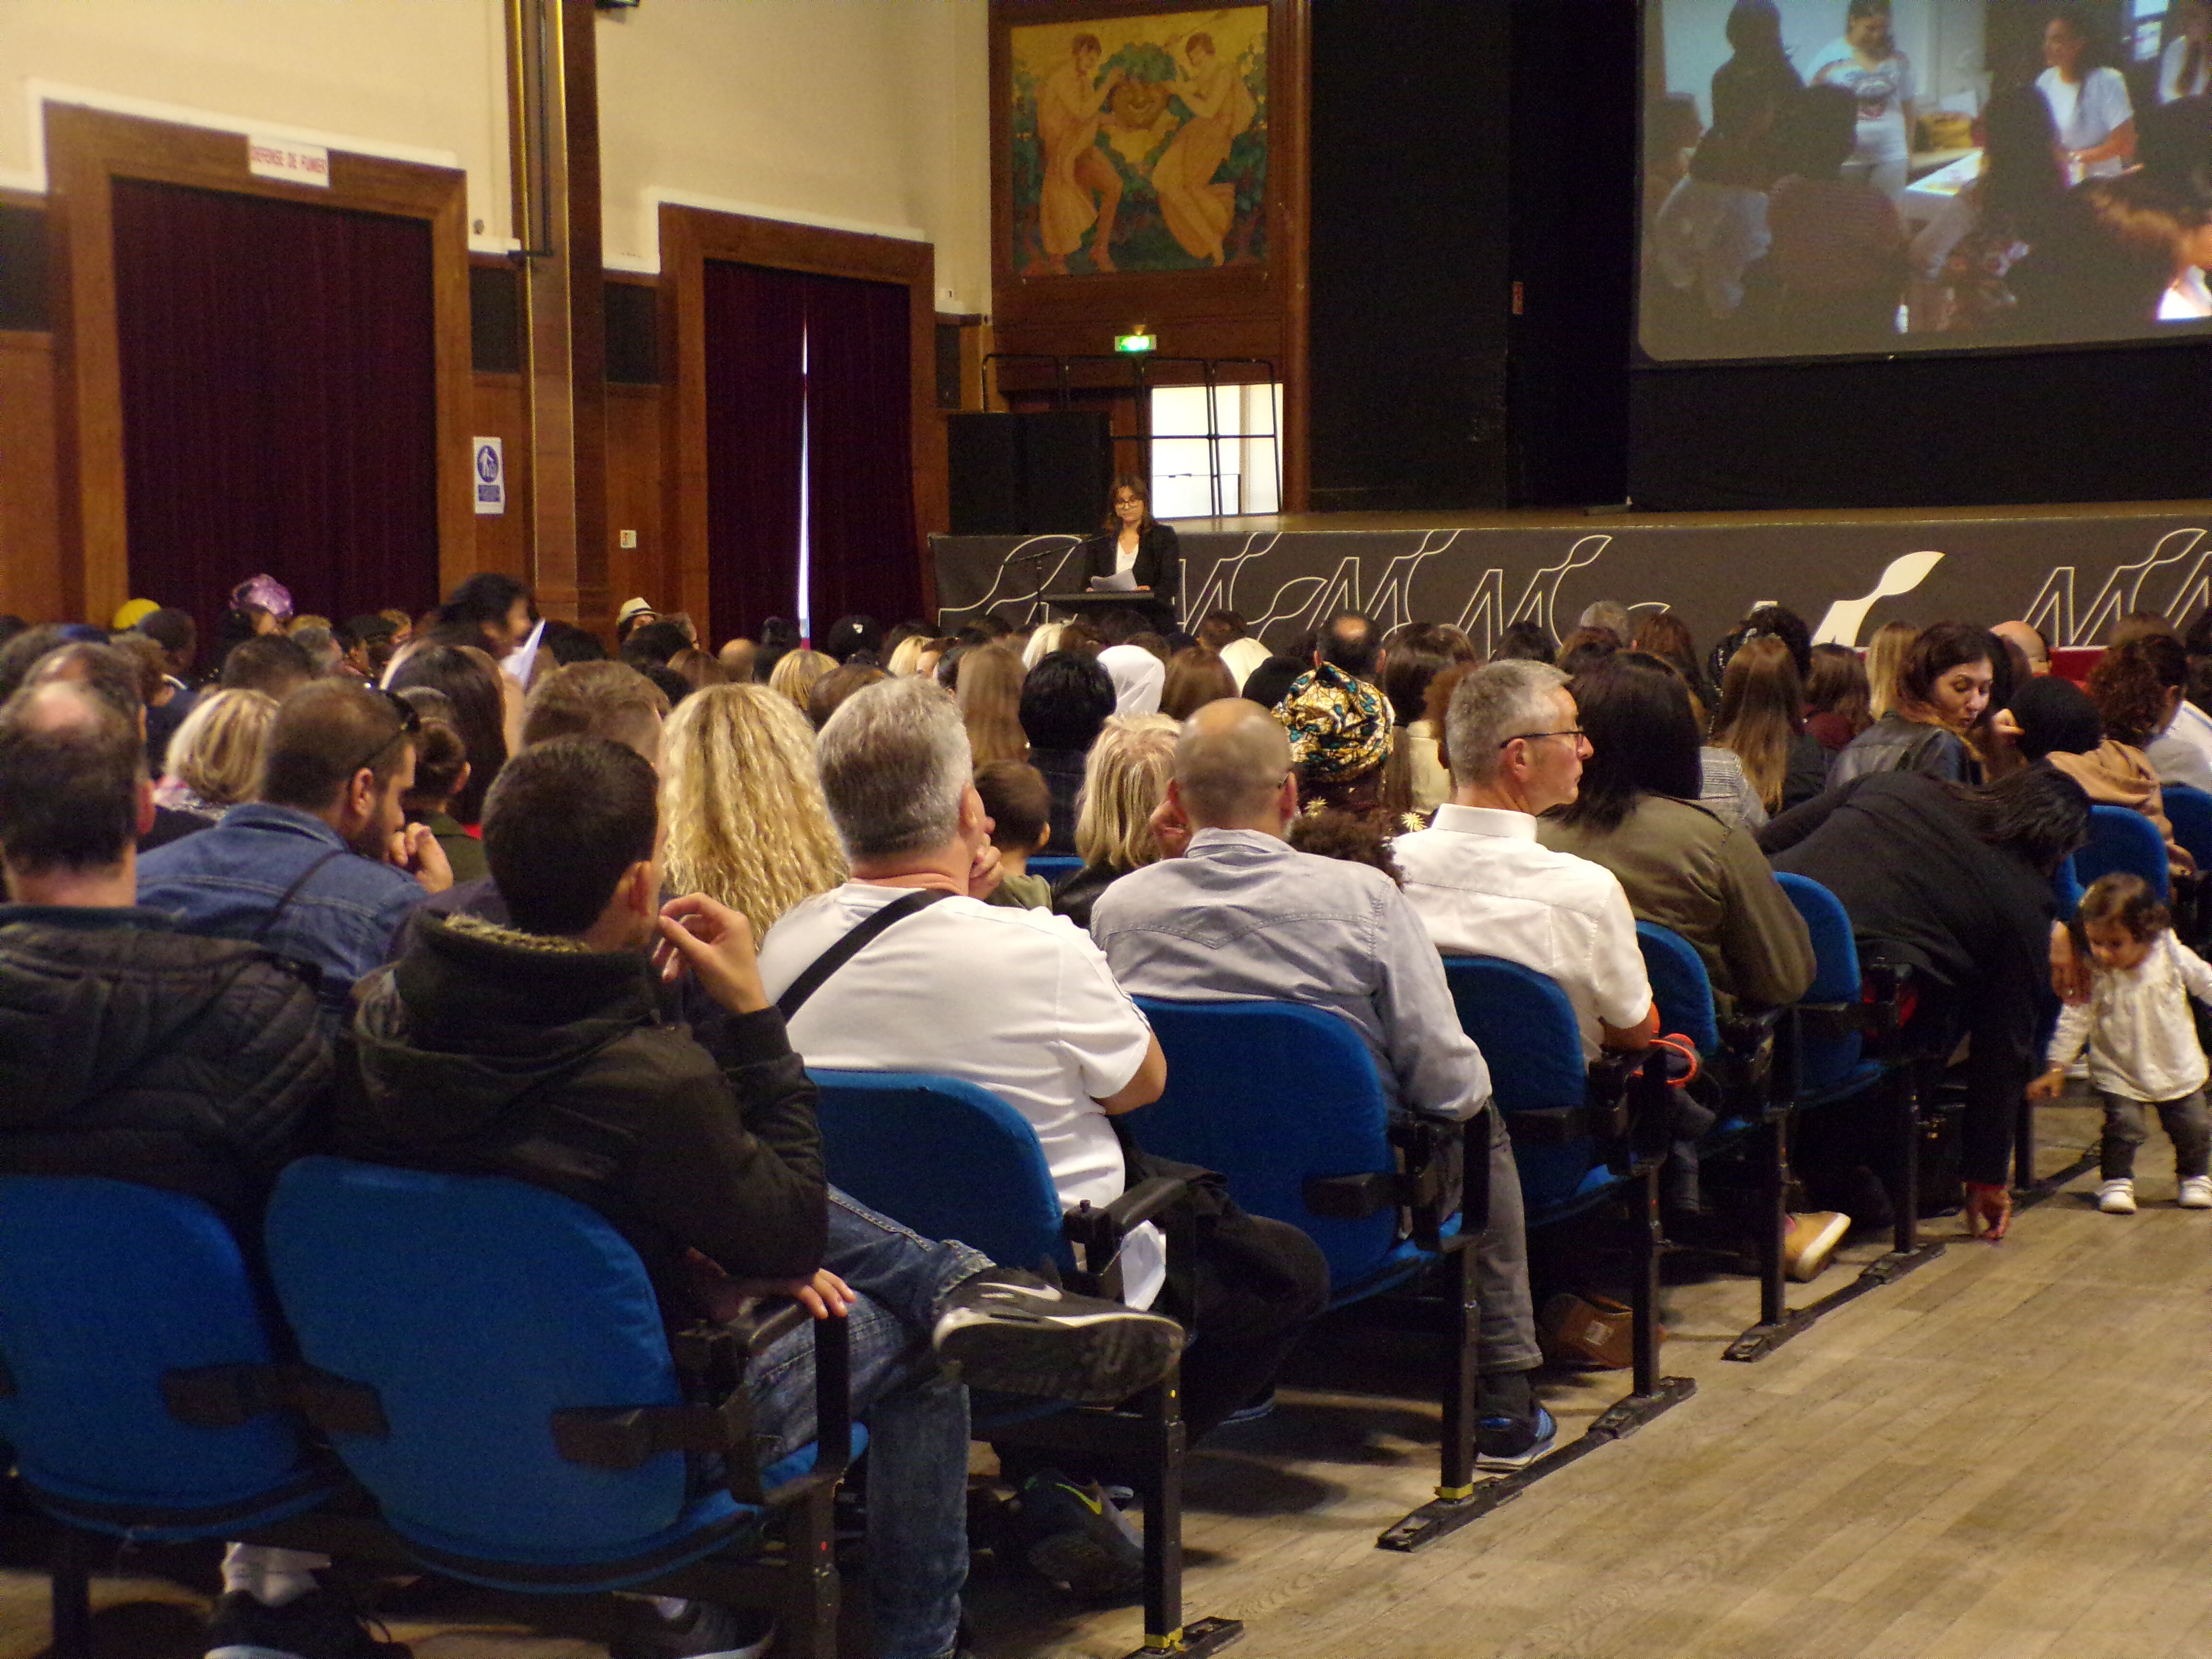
(261, 933)
(795, 994)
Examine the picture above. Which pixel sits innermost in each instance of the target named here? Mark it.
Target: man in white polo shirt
(1482, 884)
(1018, 1002)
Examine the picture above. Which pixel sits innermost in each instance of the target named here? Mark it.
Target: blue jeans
(917, 1421)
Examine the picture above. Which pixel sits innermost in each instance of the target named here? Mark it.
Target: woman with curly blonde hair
(1124, 781)
(738, 792)
(214, 760)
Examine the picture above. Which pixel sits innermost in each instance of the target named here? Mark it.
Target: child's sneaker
(2195, 1192)
(2118, 1197)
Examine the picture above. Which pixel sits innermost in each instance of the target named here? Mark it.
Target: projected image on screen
(1855, 176)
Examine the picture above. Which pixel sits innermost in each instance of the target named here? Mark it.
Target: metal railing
(1141, 369)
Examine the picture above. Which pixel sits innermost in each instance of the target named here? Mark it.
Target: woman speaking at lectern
(1135, 544)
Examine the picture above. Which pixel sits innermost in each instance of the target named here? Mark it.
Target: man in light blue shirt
(1236, 913)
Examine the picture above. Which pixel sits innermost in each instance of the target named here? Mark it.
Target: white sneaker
(2118, 1197)
(2195, 1192)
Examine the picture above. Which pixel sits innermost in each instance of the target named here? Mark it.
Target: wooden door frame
(86, 150)
(691, 236)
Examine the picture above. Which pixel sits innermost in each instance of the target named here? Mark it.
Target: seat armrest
(1097, 1233)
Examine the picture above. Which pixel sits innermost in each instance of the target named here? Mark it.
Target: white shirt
(1882, 93)
(1241, 656)
(2186, 300)
(2176, 760)
(1705, 236)
(2143, 1043)
(1015, 1001)
(2087, 113)
(2169, 72)
(2192, 725)
(1480, 883)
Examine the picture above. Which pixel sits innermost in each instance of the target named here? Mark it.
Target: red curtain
(279, 400)
(755, 332)
(780, 344)
(859, 393)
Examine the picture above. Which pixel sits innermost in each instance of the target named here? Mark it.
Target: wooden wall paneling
(31, 581)
(499, 407)
(1235, 310)
(635, 499)
(691, 236)
(86, 150)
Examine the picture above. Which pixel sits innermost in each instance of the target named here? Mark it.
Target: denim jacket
(228, 882)
(1244, 916)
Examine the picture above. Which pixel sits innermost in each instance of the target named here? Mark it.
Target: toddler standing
(2143, 1051)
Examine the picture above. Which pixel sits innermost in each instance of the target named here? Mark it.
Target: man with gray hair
(1610, 615)
(1018, 1002)
(1481, 883)
(1235, 913)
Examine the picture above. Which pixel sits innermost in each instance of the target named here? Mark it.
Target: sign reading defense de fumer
(490, 479)
(280, 158)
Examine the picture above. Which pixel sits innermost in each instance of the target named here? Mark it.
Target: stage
(2070, 570)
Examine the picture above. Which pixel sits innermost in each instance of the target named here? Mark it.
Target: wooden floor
(2003, 1456)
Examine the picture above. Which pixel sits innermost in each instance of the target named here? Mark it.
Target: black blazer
(1159, 561)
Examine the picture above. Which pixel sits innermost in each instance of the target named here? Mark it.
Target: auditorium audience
(1761, 722)
(116, 678)
(1339, 730)
(849, 636)
(322, 867)
(1942, 688)
(492, 611)
(2173, 756)
(736, 657)
(2030, 641)
(2061, 724)
(990, 682)
(215, 759)
(1482, 882)
(597, 700)
(1019, 805)
(1124, 781)
(1837, 699)
(270, 663)
(1033, 1015)
(524, 1050)
(132, 1051)
(654, 641)
(796, 674)
(1526, 641)
(1066, 699)
(441, 773)
(1195, 678)
(1271, 681)
(698, 669)
(745, 821)
(1954, 881)
(471, 685)
(1681, 865)
(1236, 913)
(1139, 678)
(1663, 635)
(831, 692)
(1413, 657)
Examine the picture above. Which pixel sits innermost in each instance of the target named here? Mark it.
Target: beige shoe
(1811, 1240)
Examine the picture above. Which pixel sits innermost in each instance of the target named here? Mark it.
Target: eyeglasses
(410, 725)
(1576, 732)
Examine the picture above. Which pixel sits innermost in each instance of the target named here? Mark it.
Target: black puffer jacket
(488, 1051)
(131, 1050)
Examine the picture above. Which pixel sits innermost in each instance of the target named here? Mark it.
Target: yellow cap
(133, 612)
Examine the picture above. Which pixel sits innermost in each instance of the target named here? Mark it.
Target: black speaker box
(1048, 473)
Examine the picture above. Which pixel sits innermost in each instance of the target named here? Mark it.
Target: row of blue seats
(488, 1361)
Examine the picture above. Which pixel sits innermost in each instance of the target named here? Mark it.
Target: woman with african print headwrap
(1339, 730)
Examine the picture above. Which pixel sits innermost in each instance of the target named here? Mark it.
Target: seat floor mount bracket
(1761, 1340)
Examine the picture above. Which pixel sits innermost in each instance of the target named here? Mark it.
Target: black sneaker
(1012, 1331)
(316, 1625)
(1075, 1536)
(703, 1629)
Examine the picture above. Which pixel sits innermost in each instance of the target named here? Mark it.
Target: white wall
(862, 114)
(859, 114)
(424, 80)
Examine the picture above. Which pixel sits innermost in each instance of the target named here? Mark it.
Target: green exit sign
(1135, 343)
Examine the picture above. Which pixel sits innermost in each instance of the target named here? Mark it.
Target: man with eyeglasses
(323, 868)
(1481, 882)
